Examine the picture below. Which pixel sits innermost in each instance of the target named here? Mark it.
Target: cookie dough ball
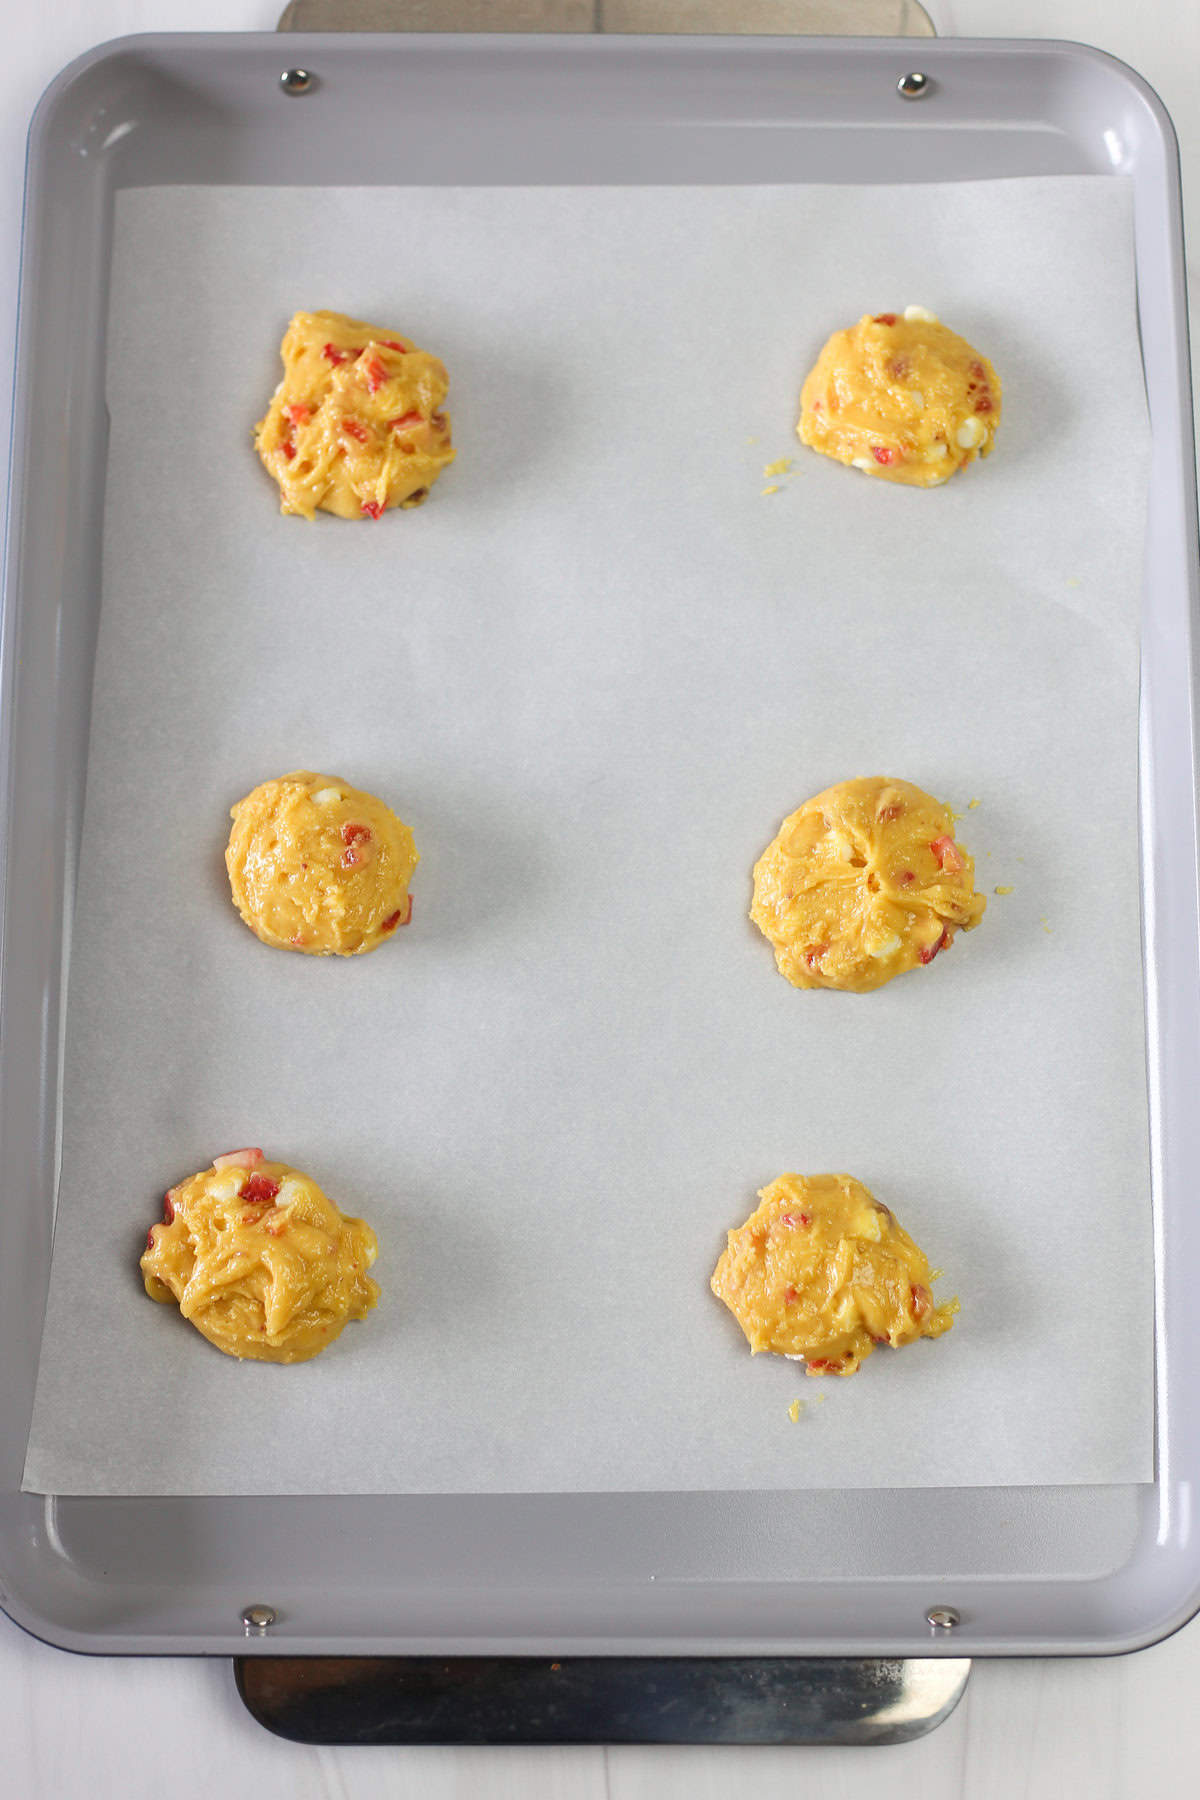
(822, 1271)
(902, 397)
(356, 425)
(862, 883)
(259, 1260)
(315, 865)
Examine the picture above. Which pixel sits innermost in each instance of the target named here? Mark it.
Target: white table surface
(1114, 1729)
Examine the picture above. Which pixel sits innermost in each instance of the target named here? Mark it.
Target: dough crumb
(1046, 926)
(770, 490)
(1002, 890)
(781, 467)
(971, 805)
(794, 1411)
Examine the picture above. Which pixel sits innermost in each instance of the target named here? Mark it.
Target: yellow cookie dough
(862, 883)
(316, 865)
(902, 397)
(821, 1270)
(356, 425)
(259, 1260)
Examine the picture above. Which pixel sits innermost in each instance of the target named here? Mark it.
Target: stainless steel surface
(813, 18)
(942, 1618)
(913, 85)
(258, 1620)
(530, 1700)
(296, 81)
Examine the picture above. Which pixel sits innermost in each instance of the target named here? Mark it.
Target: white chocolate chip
(969, 433)
(936, 452)
(863, 462)
(920, 315)
(325, 796)
(887, 946)
(917, 398)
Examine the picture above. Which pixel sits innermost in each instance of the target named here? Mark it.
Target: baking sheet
(593, 674)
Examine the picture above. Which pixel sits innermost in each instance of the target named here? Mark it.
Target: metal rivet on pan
(299, 81)
(258, 1620)
(942, 1618)
(913, 85)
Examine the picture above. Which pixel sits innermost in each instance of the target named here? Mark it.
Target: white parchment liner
(593, 673)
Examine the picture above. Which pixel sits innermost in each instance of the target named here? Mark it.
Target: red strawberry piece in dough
(352, 836)
(884, 455)
(401, 917)
(984, 404)
(813, 957)
(169, 1208)
(886, 814)
(296, 413)
(825, 1365)
(238, 1159)
(906, 875)
(353, 429)
(943, 943)
(150, 1238)
(333, 354)
(412, 417)
(790, 1294)
(794, 1220)
(884, 319)
(374, 373)
(288, 448)
(921, 1301)
(260, 1190)
(391, 344)
(373, 509)
(977, 371)
(948, 854)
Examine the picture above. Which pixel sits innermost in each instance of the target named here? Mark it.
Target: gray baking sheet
(593, 674)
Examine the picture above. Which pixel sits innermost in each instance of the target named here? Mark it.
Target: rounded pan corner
(39, 1625)
(62, 88)
(1121, 73)
(1158, 1630)
(89, 79)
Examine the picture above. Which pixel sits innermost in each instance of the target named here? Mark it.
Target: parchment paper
(593, 674)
